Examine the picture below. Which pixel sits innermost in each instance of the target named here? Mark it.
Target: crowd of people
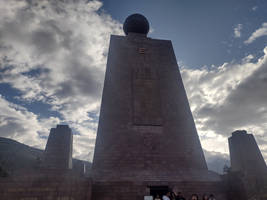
(179, 196)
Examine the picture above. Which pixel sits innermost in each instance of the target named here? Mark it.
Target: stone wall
(137, 190)
(46, 185)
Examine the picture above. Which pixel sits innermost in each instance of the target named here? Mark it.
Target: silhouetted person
(179, 196)
(194, 197)
(167, 196)
(205, 197)
(212, 197)
(157, 197)
(173, 196)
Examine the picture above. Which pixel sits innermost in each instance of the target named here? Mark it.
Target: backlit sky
(53, 56)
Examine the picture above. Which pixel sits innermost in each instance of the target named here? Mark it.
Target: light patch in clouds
(262, 31)
(18, 123)
(55, 52)
(229, 97)
(216, 160)
(237, 31)
(254, 8)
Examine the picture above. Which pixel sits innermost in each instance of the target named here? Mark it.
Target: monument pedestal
(135, 185)
(134, 190)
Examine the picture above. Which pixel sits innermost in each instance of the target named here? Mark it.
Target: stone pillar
(245, 154)
(58, 150)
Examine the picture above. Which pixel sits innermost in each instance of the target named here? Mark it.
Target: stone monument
(146, 141)
(245, 154)
(58, 150)
(248, 167)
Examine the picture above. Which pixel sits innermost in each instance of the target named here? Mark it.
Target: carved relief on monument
(146, 98)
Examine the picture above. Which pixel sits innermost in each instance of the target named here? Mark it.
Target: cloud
(254, 8)
(55, 52)
(18, 123)
(262, 31)
(226, 98)
(216, 161)
(237, 31)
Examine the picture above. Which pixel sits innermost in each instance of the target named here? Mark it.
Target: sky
(53, 58)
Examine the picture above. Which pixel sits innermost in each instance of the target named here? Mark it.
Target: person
(167, 196)
(173, 196)
(157, 197)
(194, 197)
(179, 196)
(212, 197)
(205, 197)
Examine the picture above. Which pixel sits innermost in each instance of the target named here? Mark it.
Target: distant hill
(16, 157)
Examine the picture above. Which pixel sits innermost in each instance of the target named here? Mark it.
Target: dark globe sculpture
(136, 23)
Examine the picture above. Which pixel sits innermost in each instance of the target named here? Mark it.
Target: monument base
(46, 185)
(137, 190)
(117, 186)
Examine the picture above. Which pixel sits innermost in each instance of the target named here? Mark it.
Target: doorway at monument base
(46, 185)
(125, 190)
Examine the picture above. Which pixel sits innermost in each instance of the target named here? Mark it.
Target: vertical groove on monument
(58, 150)
(146, 132)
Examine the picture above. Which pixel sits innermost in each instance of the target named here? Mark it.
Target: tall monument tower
(146, 136)
(245, 154)
(58, 150)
